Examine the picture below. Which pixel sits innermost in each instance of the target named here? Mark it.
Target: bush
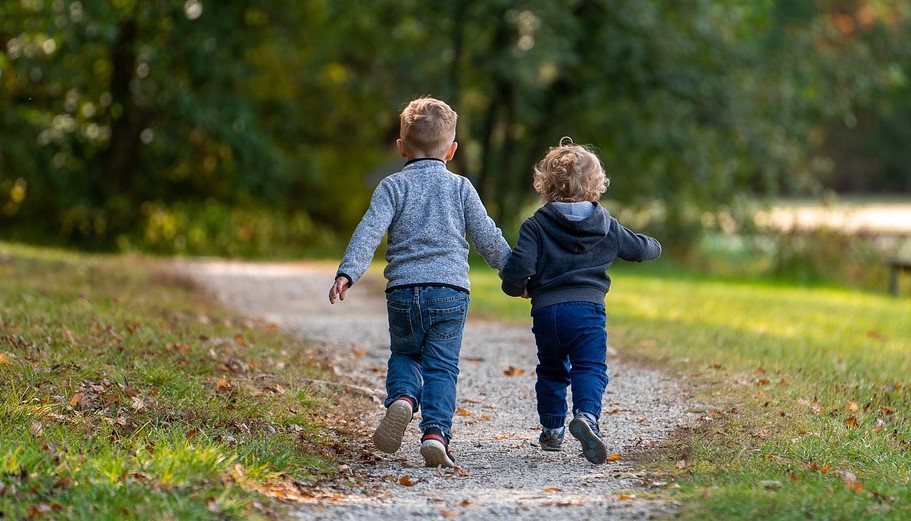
(214, 228)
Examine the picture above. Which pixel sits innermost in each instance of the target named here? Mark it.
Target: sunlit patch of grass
(124, 395)
(803, 393)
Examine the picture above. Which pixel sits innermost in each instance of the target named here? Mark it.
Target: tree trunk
(124, 148)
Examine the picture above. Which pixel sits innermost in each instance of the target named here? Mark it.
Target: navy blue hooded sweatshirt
(559, 258)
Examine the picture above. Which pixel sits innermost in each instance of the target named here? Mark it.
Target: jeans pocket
(399, 321)
(448, 322)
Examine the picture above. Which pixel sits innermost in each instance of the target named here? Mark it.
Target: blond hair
(428, 127)
(570, 173)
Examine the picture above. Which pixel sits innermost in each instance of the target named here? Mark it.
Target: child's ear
(401, 146)
(452, 150)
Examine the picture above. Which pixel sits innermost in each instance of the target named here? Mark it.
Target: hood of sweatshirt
(576, 236)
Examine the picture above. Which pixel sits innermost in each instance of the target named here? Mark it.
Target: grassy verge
(123, 395)
(808, 391)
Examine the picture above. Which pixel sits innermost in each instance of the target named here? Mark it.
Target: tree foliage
(165, 122)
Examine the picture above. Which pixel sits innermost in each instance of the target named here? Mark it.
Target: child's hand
(338, 289)
(525, 292)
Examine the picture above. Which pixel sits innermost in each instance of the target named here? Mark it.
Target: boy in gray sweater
(561, 262)
(427, 212)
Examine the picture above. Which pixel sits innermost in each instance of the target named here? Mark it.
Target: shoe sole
(592, 447)
(551, 449)
(435, 454)
(391, 430)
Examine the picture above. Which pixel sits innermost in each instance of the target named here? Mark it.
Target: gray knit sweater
(427, 211)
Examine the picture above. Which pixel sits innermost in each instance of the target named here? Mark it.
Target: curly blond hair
(570, 173)
(428, 127)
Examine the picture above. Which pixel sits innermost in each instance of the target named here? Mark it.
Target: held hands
(339, 289)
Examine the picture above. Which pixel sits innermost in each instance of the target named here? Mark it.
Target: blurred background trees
(242, 127)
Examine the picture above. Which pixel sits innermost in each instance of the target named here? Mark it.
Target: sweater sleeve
(368, 234)
(634, 246)
(522, 263)
(483, 232)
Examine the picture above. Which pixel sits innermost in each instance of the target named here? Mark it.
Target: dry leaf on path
(406, 481)
(513, 371)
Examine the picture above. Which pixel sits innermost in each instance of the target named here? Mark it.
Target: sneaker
(389, 433)
(584, 428)
(552, 439)
(435, 449)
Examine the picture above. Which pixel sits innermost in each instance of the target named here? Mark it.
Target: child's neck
(409, 160)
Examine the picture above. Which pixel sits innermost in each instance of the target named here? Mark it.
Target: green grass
(803, 393)
(124, 395)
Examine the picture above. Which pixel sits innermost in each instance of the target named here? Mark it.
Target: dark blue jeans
(572, 348)
(425, 333)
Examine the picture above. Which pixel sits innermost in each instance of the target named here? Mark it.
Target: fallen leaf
(449, 513)
(79, 401)
(551, 490)
(876, 335)
(3, 359)
(852, 406)
(816, 405)
(513, 371)
(626, 497)
(893, 387)
(681, 464)
(813, 466)
(614, 457)
(760, 370)
(406, 481)
(762, 433)
(879, 425)
(763, 381)
(36, 429)
(846, 475)
(888, 411)
(463, 412)
(851, 423)
(222, 385)
(854, 486)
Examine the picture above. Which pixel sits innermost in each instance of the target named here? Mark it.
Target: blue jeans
(572, 348)
(425, 332)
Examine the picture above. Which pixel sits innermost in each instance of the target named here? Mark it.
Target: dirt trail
(503, 473)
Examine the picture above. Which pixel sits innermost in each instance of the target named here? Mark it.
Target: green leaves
(293, 106)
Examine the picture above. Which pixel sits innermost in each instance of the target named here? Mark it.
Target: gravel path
(503, 474)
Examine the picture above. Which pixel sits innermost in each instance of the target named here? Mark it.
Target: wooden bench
(897, 267)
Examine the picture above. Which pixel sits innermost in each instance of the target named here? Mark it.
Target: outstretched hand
(339, 289)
